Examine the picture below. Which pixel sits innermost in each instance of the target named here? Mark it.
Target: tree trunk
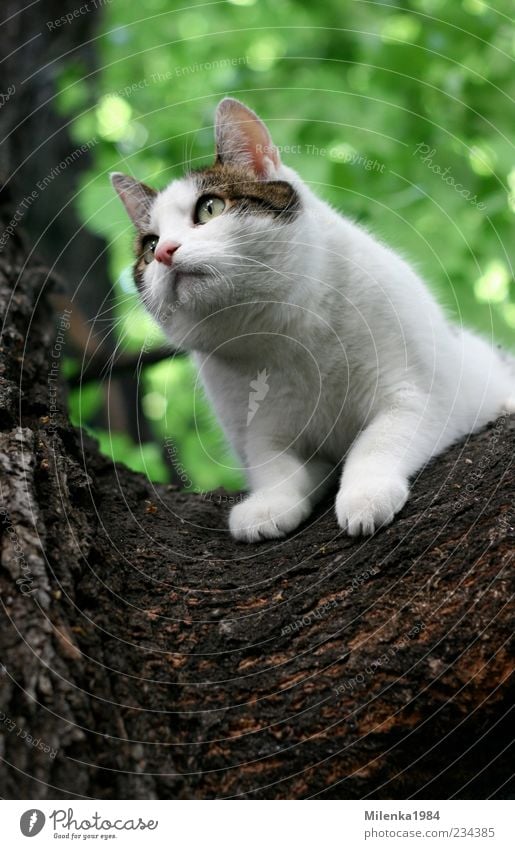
(40, 166)
(147, 655)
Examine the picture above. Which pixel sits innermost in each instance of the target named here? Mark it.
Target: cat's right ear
(243, 140)
(135, 196)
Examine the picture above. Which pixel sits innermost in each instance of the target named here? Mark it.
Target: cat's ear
(135, 196)
(243, 140)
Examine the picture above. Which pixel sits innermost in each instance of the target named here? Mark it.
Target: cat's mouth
(180, 273)
(190, 282)
(185, 283)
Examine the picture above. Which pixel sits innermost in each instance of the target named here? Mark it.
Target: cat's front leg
(284, 489)
(375, 479)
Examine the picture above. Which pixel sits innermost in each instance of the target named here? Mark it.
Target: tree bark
(40, 167)
(147, 655)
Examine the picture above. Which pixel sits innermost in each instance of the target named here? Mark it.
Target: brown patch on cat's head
(240, 189)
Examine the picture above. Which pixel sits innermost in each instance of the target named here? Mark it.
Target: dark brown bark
(35, 141)
(146, 655)
(162, 659)
(40, 167)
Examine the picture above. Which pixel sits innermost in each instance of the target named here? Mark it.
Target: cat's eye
(148, 247)
(207, 208)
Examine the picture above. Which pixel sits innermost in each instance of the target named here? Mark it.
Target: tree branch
(149, 655)
(98, 368)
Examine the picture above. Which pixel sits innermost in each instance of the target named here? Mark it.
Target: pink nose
(165, 251)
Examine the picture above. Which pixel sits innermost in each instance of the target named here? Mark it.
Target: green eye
(148, 247)
(208, 208)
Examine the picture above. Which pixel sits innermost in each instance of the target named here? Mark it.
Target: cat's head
(222, 235)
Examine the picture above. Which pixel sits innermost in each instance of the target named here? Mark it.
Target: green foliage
(354, 87)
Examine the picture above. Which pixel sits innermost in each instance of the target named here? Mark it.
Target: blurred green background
(403, 103)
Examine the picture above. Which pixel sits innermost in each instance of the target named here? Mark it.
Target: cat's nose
(165, 250)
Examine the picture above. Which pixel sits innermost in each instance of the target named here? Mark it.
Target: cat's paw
(365, 504)
(267, 516)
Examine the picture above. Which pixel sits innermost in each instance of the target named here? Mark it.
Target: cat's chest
(302, 403)
(323, 412)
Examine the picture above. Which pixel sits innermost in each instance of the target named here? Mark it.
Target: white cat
(316, 344)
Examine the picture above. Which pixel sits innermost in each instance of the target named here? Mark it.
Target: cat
(317, 345)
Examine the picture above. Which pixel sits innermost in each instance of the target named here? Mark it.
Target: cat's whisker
(111, 361)
(117, 302)
(100, 350)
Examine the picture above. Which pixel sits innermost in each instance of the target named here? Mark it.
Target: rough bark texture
(35, 143)
(161, 659)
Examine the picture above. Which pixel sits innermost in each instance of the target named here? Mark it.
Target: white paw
(368, 503)
(509, 405)
(267, 516)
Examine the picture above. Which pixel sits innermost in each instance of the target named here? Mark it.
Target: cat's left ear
(243, 140)
(136, 197)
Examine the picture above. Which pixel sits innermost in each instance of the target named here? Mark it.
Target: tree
(147, 655)
(160, 658)
(41, 165)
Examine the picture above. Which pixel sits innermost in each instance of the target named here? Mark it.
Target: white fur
(362, 364)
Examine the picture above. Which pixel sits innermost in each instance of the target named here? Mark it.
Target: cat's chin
(199, 289)
(189, 285)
